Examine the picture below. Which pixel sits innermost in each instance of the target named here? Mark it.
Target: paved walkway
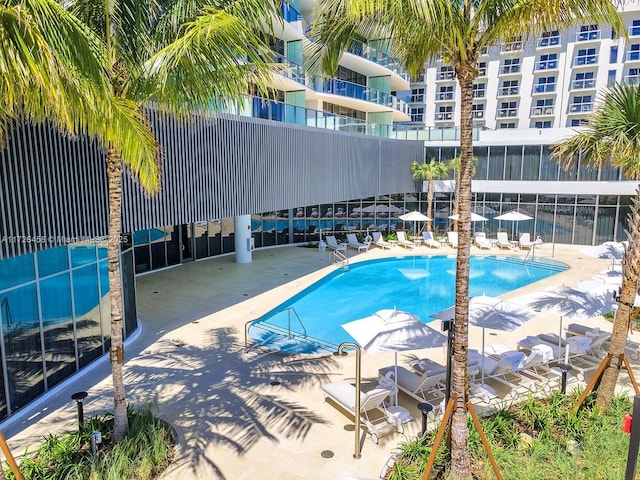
(256, 415)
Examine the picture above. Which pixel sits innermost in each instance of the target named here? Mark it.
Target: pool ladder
(341, 258)
(247, 326)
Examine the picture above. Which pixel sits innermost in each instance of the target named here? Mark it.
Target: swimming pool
(421, 285)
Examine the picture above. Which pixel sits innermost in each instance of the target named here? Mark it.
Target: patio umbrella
(612, 250)
(514, 216)
(391, 330)
(568, 302)
(493, 313)
(414, 217)
(474, 217)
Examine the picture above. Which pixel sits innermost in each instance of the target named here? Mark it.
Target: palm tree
(431, 171)
(423, 30)
(454, 164)
(613, 138)
(177, 56)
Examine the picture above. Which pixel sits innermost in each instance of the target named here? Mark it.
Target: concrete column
(242, 231)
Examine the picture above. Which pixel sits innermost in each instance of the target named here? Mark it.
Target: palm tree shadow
(216, 394)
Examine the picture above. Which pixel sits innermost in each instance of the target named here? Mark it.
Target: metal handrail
(341, 258)
(247, 326)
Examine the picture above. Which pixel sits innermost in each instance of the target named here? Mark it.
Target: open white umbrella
(568, 302)
(391, 330)
(415, 217)
(493, 313)
(514, 216)
(474, 217)
(612, 250)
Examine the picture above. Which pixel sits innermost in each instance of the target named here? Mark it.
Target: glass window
(52, 260)
(82, 254)
(548, 167)
(513, 163)
(531, 163)
(482, 154)
(613, 54)
(88, 322)
(543, 124)
(21, 327)
(16, 270)
(496, 164)
(606, 223)
(611, 77)
(57, 319)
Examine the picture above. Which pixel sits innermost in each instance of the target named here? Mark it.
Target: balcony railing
(585, 60)
(376, 55)
(512, 46)
(545, 42)
(633, 56)
(361, 92)
(507, 112)
(479, 93)
(509, 69)
(634, 30)
(446, 75)
(443, 117)
(290, 69)
(289, 14)
(547, 65)
(581, 107)
(477, 114)
(416, 98)
(587, 83)
(544, 88)
(508, 91)
(632, 79)
(444, 96)
(588, 36)
(543, 111)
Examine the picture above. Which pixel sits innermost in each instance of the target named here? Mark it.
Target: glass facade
(55, 317)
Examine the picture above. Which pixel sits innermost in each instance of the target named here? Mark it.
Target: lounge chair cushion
(344, 393)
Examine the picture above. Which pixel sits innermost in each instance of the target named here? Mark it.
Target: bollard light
(79, 398)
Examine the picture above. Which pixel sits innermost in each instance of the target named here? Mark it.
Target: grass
(537, 439)
(143, 454)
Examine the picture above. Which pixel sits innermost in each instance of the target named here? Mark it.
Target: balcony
(290, 69)
(510, 47)
(360, 92)
(444, 96)
(580, 107)
(584, 84)
(634, 30)
(585, 60)
(478, 114)
(631, 79)
(633, 56)
(417, 98)
(549, 42)
(443, 117)
(508, 91)
(546, 65)
(445, 76)
(543, 111)
(507, 113)
(543, 88)
(377, 56)
(479, 93)
(588, 36)
(510, 69)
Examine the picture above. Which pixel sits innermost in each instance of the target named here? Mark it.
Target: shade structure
(493, 313)
(514, 216)
(392, 330)
(474, 217)
(414, 217)
(568, 303)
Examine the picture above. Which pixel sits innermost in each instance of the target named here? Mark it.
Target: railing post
(357, 451)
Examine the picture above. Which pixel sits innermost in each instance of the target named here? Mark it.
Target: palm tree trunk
(429, 204)
(460, 462)
(630, 267)
(116, 353)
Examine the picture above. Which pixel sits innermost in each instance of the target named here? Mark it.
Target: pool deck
(259, 414)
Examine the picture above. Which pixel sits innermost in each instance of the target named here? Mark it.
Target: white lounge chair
(429, 240)
(402, 240)
(352, 241)
(452, 239)
(344, 394)
(503, 240)
(378, 241)
(423, 388)
(481, 241)
(525, 241)
(333, 244)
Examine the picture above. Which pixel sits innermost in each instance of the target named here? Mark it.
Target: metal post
(424, 408)
(79, 398)
(634, 440)
(564, 368)
(357, 450)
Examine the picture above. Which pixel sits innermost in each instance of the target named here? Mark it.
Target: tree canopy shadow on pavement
(217, 394)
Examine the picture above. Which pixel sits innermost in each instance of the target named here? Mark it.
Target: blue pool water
(422, 285)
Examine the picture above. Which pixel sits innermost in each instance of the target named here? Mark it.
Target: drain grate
(275, 383)
(326, 454)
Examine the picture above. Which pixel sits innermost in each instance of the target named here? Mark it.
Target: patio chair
(402, 240)
(352, 241)
(452, 239)
(525, 241)
(429, 240)
(333, 244)
(344, 394)
(481, 241)
(423, 388)
(503, 241)
(378, 241)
